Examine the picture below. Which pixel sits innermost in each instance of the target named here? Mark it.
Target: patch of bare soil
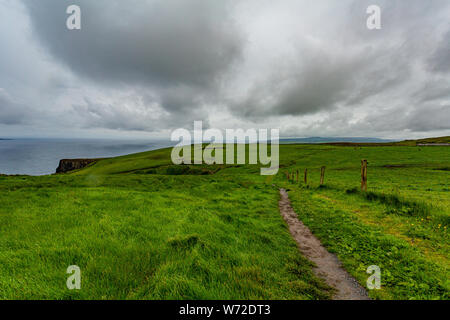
(328, 267)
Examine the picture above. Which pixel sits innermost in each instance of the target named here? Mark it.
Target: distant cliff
(66, 165)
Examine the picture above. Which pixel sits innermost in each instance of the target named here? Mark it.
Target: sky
(143, 68)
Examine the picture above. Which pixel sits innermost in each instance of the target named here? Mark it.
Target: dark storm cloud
(363, 64)
(172, 52)
(154, 65)
(319, 83)
(164, 42)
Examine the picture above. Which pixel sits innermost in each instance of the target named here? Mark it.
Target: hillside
(140, 227)
(334, 140)
(410, 143)
(430, 140)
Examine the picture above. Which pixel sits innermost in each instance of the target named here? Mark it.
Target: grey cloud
(429, 118)
(440, 60)
(432, 91)
(172, 53)
(132, 113)
(12, 112)
(424, 118)
(164, 42)
(311, 88)
(362, 68)
(153, 65)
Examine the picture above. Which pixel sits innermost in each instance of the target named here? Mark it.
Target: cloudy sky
(141, 68)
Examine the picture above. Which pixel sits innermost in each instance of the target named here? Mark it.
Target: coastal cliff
(66, 165)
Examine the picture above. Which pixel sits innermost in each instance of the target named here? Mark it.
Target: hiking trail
(328, 267)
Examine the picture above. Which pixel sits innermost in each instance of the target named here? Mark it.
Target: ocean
(41, 156)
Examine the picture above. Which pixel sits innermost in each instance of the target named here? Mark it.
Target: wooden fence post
(305, 178)
(322, 175)
(363, 175)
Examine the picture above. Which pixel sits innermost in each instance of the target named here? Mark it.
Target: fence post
(322, 175)
(363, 175)
(305, 178)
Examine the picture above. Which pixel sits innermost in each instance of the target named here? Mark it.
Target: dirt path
(328, 266)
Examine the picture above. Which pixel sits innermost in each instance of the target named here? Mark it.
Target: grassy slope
(404, 143)
(139, 231)
(400, 224)
(432, 140)
(141, 236)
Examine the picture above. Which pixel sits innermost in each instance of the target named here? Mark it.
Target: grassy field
(400, 224)
(141, 228)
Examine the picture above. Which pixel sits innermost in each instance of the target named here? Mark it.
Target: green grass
(400, 224)
(142, 228)
(407, 272)
(148, 237)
